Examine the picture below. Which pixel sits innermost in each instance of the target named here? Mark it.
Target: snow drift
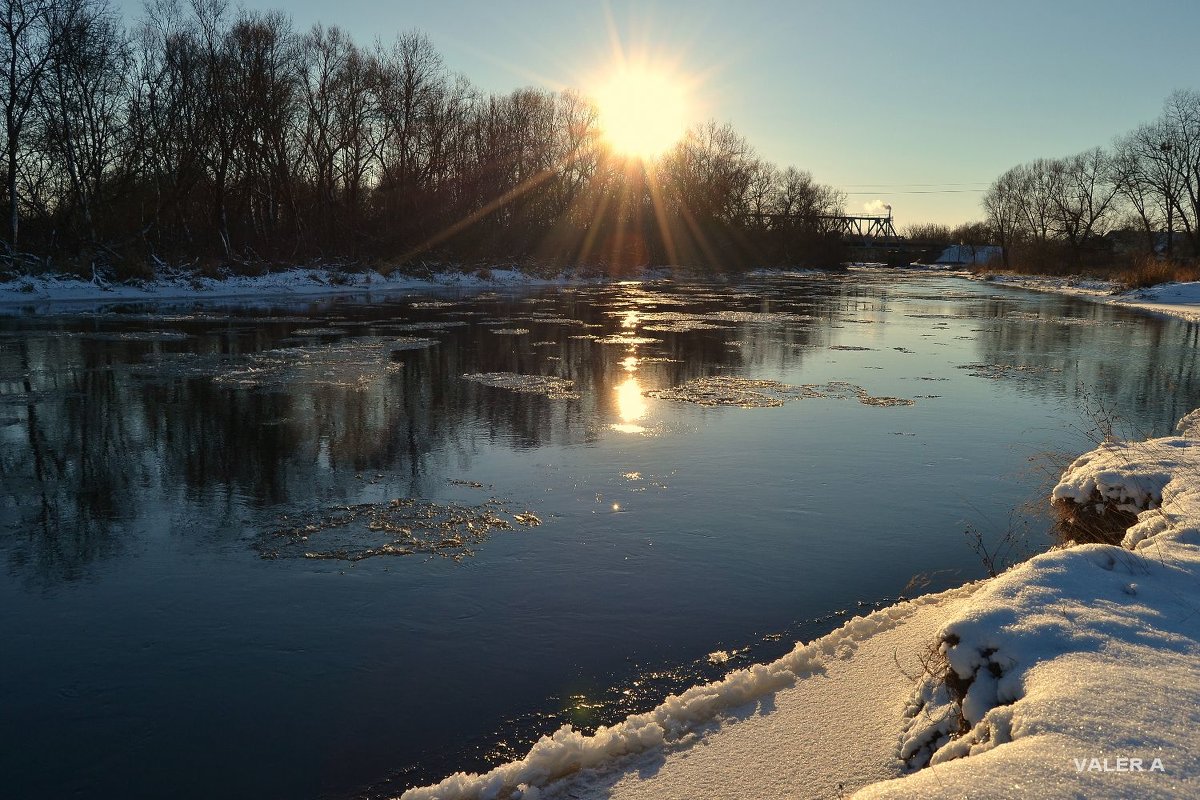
(1075, 674)
(677, 719)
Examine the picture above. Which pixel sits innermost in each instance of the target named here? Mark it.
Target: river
(327, 548)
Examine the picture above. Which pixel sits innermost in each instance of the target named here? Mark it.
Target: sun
(643, 111)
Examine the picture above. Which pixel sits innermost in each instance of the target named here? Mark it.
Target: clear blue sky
(860, 93)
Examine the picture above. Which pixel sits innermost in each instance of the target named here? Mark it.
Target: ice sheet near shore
(179, 284)
(297, 281)
(1172, 299)
(1180, 300)
(1072, 675)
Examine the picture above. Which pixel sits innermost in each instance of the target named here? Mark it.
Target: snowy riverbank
(43, 292)
(1180, 300)
(1073, 674)
(303, 282)
(296, 282)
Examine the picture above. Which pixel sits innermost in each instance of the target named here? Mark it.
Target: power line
(923, 191)
(946, 183)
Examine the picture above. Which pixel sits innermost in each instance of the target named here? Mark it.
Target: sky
(915, 103)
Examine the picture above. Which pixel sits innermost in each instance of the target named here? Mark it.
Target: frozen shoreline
(293, 283)
(1178, 300)
(53, 291)
(1072, 674)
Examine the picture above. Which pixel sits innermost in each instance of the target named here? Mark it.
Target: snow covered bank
(1075, 674)
(832, 732)
(1072, 675)
(1180, 300)
(296, 282)
(1173, 299)
(299, 282)
(680, 721)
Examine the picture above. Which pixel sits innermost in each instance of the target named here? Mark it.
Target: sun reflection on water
(631, 406)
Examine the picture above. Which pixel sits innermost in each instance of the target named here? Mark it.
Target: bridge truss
(869, 230)
(860, 230)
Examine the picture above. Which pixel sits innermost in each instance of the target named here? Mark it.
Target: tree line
(1054, 213)
(203, 135)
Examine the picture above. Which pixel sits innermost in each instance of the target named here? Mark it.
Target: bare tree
(211, 132)
(167, 123)
(799, 195)
(1002, 204)
(1134, 178)
(1084, 189)
(27, 45)
(410, 70)
(1181, 149)
(340, 130)
(82, 102)
(222, 112)
(929, 232)
(262, 58)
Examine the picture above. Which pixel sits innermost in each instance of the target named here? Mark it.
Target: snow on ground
(1072, 675)
(965, 254)
(683, 726)
(1180, 300)
(1076, 672)
(1174, 299)
(1072, 285)
(829, 734)
(296, 282)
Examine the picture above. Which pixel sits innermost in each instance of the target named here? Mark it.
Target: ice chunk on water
(403, 526)
(548, 385)
(725, 390)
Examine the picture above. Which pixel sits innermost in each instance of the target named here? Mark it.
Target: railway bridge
(871, 238)
(862, 231)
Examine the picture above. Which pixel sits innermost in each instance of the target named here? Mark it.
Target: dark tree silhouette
(226, 139)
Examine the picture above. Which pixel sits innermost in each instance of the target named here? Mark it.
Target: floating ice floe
(433, 304)
(683, 326)
(725, 390)
(411, 343)
(136, 336)
(403, 526)
(626, 339)
(547, 385)
(353, 364)
(319, 332)
(406, 327)
(997, 371)
(169, 366)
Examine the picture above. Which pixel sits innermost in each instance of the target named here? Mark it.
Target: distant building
(970, 255)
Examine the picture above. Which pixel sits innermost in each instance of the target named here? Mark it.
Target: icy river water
(341, 547)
